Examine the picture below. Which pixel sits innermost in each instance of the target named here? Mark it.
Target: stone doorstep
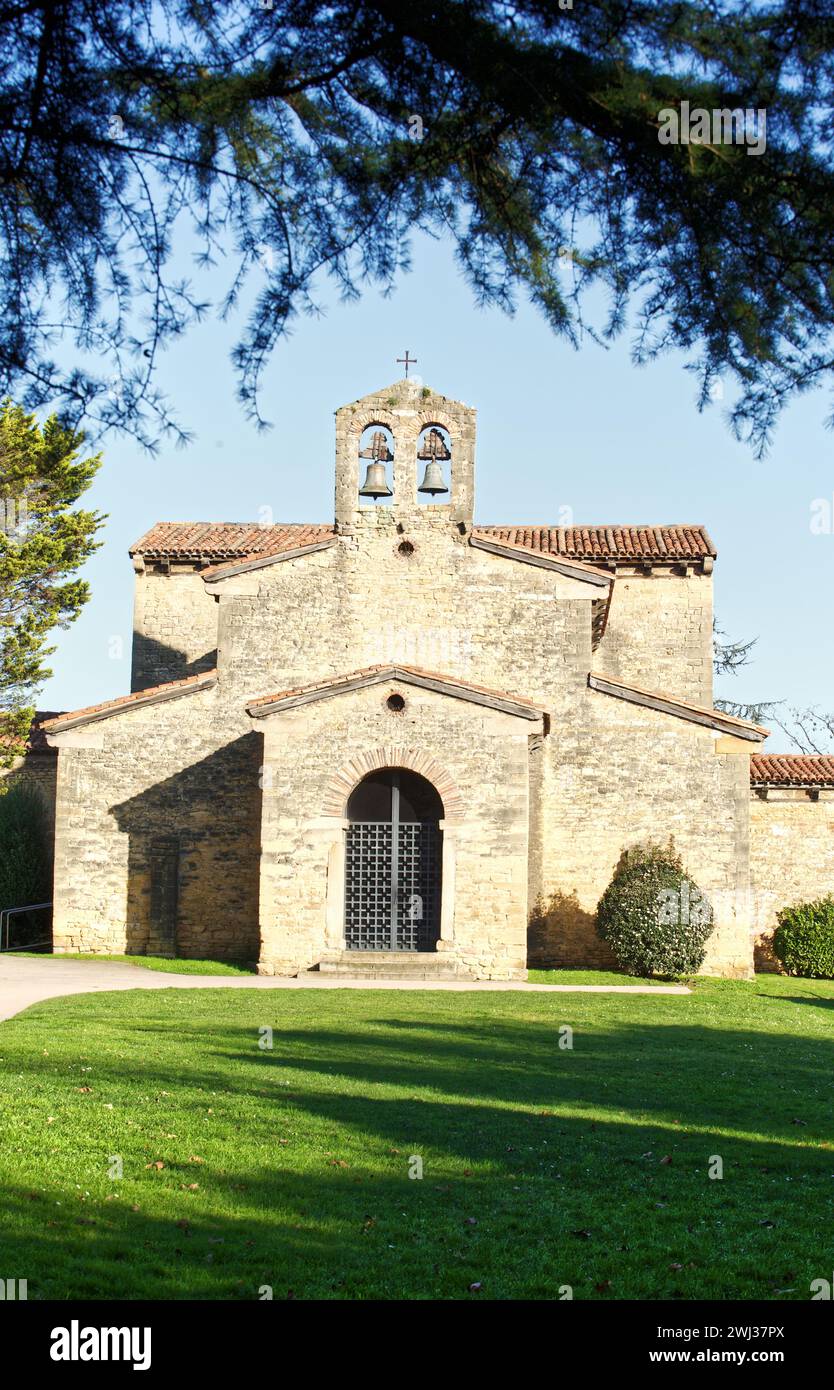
(392, 965)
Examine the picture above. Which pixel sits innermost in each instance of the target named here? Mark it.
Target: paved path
(25, 980)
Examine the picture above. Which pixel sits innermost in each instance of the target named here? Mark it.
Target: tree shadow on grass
(820, 1000)
(541, 1166)
(676, 1073)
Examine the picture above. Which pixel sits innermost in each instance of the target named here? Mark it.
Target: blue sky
(556, 428)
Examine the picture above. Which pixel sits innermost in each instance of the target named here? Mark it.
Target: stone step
(392, 965)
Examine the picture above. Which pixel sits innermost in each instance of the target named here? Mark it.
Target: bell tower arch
(416, 443)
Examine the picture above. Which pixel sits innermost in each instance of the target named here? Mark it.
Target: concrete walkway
(24, 980)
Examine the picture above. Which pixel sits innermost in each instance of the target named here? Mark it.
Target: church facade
(406, 738)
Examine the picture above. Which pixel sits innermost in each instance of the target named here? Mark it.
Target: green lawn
(177, 966)
(592, 977)
(542, 1166)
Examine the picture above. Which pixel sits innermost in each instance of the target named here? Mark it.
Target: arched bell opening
(393, 862)
(434, 449)
(376, 447)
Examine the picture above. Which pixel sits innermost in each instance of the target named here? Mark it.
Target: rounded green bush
(653, 915)
(803, 942)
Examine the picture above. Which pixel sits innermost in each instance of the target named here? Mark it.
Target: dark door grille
(368, 886)
(392, 886)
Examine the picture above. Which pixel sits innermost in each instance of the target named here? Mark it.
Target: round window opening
(395, 703)
(405, 548)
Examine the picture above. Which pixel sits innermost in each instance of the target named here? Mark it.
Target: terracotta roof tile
(791, 770)
(223, 540)
(227, 540)
(608, 542)
(138, 697)
(483, 535)
(240, 564)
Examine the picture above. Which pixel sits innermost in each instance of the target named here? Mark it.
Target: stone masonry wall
(174, 626)
(484, 754)
(446, 608)
(659, 634)
(169, 789)
(791, 857)
(615, 774)
(182, 770)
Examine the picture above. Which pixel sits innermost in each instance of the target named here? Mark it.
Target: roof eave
(679, 709)
(125, 704)
(265, 706)
(230, 570)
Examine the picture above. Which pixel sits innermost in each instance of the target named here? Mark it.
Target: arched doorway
(393, 863)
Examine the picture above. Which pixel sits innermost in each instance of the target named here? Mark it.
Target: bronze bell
(376, 483)
(433, 481)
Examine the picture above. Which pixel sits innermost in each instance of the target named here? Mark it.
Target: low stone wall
(791, 856)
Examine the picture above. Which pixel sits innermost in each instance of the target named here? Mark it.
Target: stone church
(406, 741)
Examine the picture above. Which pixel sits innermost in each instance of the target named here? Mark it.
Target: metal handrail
(8, 913)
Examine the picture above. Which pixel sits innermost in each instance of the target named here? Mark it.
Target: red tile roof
(223, 540)
(484, 539)
(138, 697)
(227, 540)
(243, 564)
(791, 770)
(609, 542)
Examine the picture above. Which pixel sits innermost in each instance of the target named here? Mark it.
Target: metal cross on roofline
(409, 361)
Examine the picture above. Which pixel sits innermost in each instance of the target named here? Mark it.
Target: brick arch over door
(346, 779)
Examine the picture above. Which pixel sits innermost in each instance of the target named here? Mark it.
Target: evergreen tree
(44, 540)
(304, 140)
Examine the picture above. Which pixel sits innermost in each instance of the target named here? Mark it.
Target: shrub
(25, 858)
(803, 942)
(653, 915)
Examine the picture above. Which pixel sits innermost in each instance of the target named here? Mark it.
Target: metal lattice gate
(392, 886)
